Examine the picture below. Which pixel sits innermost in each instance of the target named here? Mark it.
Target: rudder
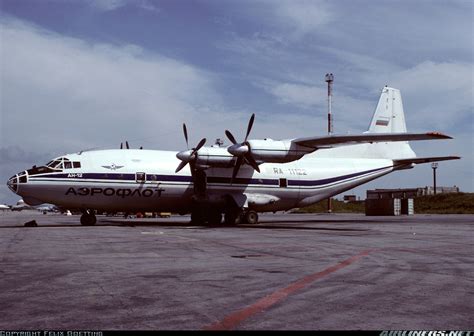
(388, 116)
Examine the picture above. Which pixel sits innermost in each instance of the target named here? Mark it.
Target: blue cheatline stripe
(332, 179)
(108, 177)
(152, 178)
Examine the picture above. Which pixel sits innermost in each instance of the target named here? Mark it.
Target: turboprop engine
(266, 150)
(251, 152)
(276, 151)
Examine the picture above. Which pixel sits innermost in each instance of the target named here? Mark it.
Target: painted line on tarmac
(233, 320)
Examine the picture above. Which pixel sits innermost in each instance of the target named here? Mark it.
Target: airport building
(395, 202)
(390, 202)
(428, 190)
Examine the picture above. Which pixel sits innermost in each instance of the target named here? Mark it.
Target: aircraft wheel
(197, 217)
(251, 217)
(214, 217)
(88, 219)
(232, 217)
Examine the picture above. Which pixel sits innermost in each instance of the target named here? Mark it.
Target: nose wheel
(88, 218)
(250, 217)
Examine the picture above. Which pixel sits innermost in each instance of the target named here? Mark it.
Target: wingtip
(439, 135)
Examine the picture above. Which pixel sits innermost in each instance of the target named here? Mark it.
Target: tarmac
(289, 272)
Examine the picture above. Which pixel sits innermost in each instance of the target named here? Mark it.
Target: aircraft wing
(338, 140)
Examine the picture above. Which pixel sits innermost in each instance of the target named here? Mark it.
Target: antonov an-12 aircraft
(237, 182)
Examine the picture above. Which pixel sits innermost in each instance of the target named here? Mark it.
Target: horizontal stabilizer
(424, 160)
(338, 140)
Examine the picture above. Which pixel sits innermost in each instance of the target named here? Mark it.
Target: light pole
(434, 165)
(329, 79)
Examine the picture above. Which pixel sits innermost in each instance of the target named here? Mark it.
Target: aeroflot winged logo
(113, 166)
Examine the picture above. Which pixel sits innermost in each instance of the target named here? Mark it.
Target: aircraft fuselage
(144, 180)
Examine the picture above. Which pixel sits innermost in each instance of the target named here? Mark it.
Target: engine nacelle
(215, 157)
(277, 151)
(266, 150)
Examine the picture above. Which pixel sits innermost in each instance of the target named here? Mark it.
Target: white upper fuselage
(255, 174)
(132, 180)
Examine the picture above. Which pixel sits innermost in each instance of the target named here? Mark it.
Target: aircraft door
(140, 177)
(288, 178)
(295, 178)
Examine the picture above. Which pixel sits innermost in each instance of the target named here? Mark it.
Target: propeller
(127, 146)
(242, 150)
(190, 155)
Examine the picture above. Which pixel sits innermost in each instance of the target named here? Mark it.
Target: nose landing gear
(88, 218)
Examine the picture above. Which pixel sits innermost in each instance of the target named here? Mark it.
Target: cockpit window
(54, 164)
(63, 163)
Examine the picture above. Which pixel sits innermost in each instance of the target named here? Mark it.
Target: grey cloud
(16, 154)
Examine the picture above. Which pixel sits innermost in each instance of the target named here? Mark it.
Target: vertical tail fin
(388, 116)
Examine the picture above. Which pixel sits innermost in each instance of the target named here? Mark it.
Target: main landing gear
(205, 211)
(88, 218)
(202, 215)
(240, 216)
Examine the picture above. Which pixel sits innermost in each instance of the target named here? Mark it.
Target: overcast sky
(91, 74)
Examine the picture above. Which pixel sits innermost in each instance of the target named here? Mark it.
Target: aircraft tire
(214, 217)
(88, 219)
(232, 217)
(197, 217)
(251, 217)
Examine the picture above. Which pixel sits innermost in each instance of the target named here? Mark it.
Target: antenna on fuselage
(127, 146)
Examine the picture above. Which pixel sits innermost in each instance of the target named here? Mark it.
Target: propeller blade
(230, 137)
(185, 131)
(200, 144)
(189, 156)
(121, 145)
(126, 143)
(249, 127)
(242, 150)
(251, 161)
(181, 166)
(236, 168)
(192, 166)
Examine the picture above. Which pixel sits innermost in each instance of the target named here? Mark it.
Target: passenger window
(76, 164)
(283, 183)
(141, 177)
